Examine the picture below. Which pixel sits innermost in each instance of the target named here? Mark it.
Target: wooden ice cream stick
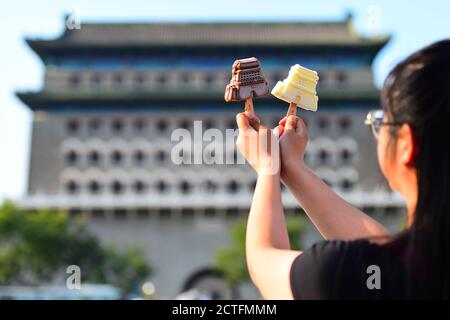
(249, 106)
(292, 109)
(250, 110)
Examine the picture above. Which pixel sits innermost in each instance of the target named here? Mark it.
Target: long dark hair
(417, 92)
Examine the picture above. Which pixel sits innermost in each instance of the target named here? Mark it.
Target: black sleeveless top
(360, 269)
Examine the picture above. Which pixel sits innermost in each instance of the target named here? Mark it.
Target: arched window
(185, 124)
(346, 155)
(323, 123)
(117, 126)
(347, 150)
(74, 80)
(185, 187)
(73, 126)
(94, 125)
(94, 187)
(117, 187)
(118, 79)
(72, 187)
(185, 78)
(161, 156)
(139, 79)
(139, 186)
(71, 157)
(162, 79)
(342, 77)
(209, 79)
(139, 125)
(94, 157)
(210, 186)
(96, 79)
(233, 186)
(348, 178)
(347, 184)
(208, 124)
(161, 125)
(139, 157)
(161, 186)
(324, 156)
(116, 157)
(345, 123)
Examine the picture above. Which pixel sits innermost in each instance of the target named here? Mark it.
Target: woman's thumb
(291, 123)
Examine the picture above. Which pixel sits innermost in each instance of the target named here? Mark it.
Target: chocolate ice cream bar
(247, 81)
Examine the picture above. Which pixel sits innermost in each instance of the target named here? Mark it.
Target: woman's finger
(278, 131)
(242, 121)
(301, 127)
(253, 120)
(291, 123)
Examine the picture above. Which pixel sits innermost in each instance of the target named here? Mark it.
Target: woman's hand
(293, 143)
(260, 148)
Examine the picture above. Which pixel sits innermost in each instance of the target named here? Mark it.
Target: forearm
(332, 215)
(266, 227)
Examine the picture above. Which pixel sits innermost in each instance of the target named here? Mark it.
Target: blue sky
(413, 24)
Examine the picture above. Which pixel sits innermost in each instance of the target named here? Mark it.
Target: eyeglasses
(374, 119)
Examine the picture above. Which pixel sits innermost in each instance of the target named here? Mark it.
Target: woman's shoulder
(343, 248)
(337, 268)
(331, 250)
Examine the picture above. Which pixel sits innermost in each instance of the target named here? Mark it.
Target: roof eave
(44, 47)
(38, 100)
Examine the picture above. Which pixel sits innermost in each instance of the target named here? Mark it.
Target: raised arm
(332, 215)
(268, 253)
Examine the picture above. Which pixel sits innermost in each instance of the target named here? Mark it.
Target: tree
(37, 247)
(231, 261)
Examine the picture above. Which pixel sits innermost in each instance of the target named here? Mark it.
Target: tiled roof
(160, 34)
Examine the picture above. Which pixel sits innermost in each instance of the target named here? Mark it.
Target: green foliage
(37, 247)
(231, 261)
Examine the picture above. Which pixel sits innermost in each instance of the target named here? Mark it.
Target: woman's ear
(406, 147)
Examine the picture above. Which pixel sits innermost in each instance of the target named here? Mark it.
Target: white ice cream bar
(299, 87)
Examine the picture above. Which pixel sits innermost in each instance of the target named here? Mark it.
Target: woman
(412, 132)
